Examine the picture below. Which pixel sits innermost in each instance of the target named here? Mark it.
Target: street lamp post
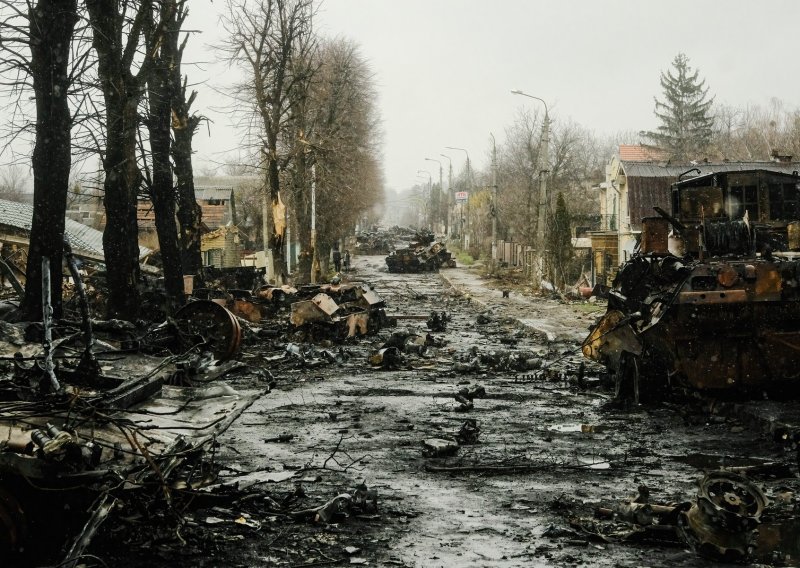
(538, 264)
(448, 227)
(464, 226)
(436, 207)
(430, 189)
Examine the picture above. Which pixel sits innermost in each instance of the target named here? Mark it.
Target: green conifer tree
(686, 122)
(559, 243)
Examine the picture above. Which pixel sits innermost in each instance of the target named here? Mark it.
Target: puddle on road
(716, 461)
(594, 462)
(583, 428)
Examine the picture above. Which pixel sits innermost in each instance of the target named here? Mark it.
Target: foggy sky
(444, 68)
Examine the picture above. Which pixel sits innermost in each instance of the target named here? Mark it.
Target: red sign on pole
(461, 196)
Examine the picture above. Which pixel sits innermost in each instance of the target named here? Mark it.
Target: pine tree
(685, 130)
(559, 242)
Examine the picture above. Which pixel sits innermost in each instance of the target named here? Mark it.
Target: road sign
(461, 196)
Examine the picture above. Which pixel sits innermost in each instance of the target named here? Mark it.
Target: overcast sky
(444, 68)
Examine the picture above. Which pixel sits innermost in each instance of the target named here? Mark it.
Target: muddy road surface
(550, 449)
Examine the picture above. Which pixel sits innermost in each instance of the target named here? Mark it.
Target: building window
(743, 198)
(783, 202)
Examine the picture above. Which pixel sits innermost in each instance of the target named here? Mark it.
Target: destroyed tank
(711, 300)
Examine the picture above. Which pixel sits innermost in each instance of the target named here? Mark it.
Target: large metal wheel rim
(218, 327)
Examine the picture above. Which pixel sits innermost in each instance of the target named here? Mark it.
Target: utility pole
(544, 150)
(448, 226)
(494, 202)
(314, 259)
(544, 169)
(465, 222)
(436, 199)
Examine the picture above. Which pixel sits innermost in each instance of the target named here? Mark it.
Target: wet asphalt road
(352, 422)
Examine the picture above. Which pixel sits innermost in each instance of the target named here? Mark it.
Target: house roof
(205, 193)
(659, 169)
(649, 182)
(701, 180)
(85, 241)
(641, 153)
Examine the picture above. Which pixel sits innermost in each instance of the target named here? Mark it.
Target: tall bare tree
(265, 37)
(12, 179)
(118, 40)
(160, 97)
(37, 55)
(337, 127)
(184, 127)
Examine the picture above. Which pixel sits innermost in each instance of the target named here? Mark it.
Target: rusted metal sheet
(713, 297)
(357, 324)
(318, 309)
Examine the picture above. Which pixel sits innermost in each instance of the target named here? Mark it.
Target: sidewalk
(556, 320)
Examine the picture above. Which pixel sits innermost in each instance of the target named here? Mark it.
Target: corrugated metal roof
(652, 169)
(205, 193)
(85, 240)
(659, 169)
(649, 182)
(699, 179)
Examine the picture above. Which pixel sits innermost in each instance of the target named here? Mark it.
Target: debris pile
(730, 520)
(422, 255)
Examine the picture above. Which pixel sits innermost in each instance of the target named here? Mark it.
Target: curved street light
(537, 268)
(448, 226)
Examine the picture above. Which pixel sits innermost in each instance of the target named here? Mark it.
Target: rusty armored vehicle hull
(721, 315)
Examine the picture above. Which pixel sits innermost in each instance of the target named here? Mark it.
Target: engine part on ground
(468, 433)
(387, 358)
(721, 524)
(211, 325)
(439, 448)
(438, 321)
(365, 500)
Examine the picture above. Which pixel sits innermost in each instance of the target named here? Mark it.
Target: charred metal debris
(100, 416)
(731, 519)
(711, 300)
(423, 254)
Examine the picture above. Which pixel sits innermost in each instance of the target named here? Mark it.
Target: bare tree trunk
(122, 93)
(161, 190)
(190, 214)
(302, 213)
(276, 236)
(121, 236)
(52, 23)
(184, 125)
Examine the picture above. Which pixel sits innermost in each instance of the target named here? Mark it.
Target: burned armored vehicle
(423, 254)
(711, 299)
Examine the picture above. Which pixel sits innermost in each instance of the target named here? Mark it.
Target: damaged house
(638, 179)
(15, 226)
